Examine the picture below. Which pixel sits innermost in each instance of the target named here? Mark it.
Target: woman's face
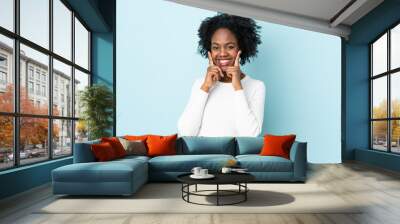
(224, 48)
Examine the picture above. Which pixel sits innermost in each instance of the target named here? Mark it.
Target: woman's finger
(210, 61)
(221, 74)
(217, 70)
(237, 60)
(215, 77)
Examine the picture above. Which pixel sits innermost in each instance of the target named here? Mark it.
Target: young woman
(225, 102)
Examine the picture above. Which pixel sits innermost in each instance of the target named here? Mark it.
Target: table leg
(217, 194)
(245, 193)
(196, 188)
(188, 190)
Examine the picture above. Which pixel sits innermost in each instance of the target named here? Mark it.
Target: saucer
(208, 176)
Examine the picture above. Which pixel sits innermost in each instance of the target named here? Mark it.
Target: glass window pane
(62, 89)
(7, 14)
(62, 138)
(34, 66)
(6, 142)
(81, 131)
(395, 47)
(81, 45)
(6, 74)
(379, 55)
(62, 29)
(395, 94)
(379, 97)
(379, 135)
(81, 81)
(395, 136)
(35, 21)
(33, 140)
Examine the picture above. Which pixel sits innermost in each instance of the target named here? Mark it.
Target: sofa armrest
(83, 152)
(298, 155)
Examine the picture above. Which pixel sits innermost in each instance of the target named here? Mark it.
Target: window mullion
(16, 84)
(50, 81)
(389, 104)
(371, 145)
(73, 82)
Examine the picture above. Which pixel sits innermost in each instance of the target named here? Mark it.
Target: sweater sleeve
(249, 112)
(190, 121)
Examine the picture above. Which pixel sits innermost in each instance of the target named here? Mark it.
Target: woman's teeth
(224, 62)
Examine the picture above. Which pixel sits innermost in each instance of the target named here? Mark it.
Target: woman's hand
(214, 73)
(234, 73)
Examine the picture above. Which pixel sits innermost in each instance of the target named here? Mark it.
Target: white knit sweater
(224, 111)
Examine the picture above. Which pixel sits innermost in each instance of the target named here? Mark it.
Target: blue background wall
(357, 85)
(157, 62)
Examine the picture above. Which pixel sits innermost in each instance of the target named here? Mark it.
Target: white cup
(226, 170)
(196, 171)
(203, 172)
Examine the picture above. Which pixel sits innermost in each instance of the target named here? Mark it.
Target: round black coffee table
(238, 179)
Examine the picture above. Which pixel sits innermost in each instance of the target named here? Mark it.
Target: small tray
(208, 176)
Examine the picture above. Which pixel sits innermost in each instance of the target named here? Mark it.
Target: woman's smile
(224, 62)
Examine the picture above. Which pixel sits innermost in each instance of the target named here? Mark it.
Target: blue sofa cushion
(206, 145)
(249, 145)
(111, 171)
(185, 163)
(257, 163)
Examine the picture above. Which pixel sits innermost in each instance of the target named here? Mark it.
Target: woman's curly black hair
(246, 31)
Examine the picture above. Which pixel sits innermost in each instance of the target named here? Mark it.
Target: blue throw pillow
(206, 145)
(249, 145)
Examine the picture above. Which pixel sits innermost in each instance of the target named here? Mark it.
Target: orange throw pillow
(161, 145)
(136, 138)
(277, 145)
(103, 151)
(116, 145)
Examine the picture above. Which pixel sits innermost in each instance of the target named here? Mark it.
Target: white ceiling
(326, 16)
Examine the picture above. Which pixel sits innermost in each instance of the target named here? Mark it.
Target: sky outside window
(62, 29)
(35, 21)
(379, 56)
(7, 13)
(395, 47)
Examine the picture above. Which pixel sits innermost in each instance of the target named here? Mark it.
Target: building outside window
(30, 72)
(43, 90)
(44, 77)
(30, 87)
(3, 78)
(3, 61)
(38, 89)
(3, 72)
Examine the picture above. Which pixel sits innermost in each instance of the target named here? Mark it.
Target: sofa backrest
(249, 145)
(206, 145)
(83, 152)
(195, 145)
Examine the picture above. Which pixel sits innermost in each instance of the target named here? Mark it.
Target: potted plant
(97, 106)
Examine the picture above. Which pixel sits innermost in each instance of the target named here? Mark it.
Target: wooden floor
(377, 188)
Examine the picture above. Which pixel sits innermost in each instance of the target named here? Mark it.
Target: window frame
(388, 74)
(15, 71)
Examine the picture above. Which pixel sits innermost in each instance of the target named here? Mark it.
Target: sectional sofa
(125, 176)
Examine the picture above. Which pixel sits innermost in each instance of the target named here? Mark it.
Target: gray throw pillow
(137, 148)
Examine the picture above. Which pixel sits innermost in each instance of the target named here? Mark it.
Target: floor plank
(376, 190)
